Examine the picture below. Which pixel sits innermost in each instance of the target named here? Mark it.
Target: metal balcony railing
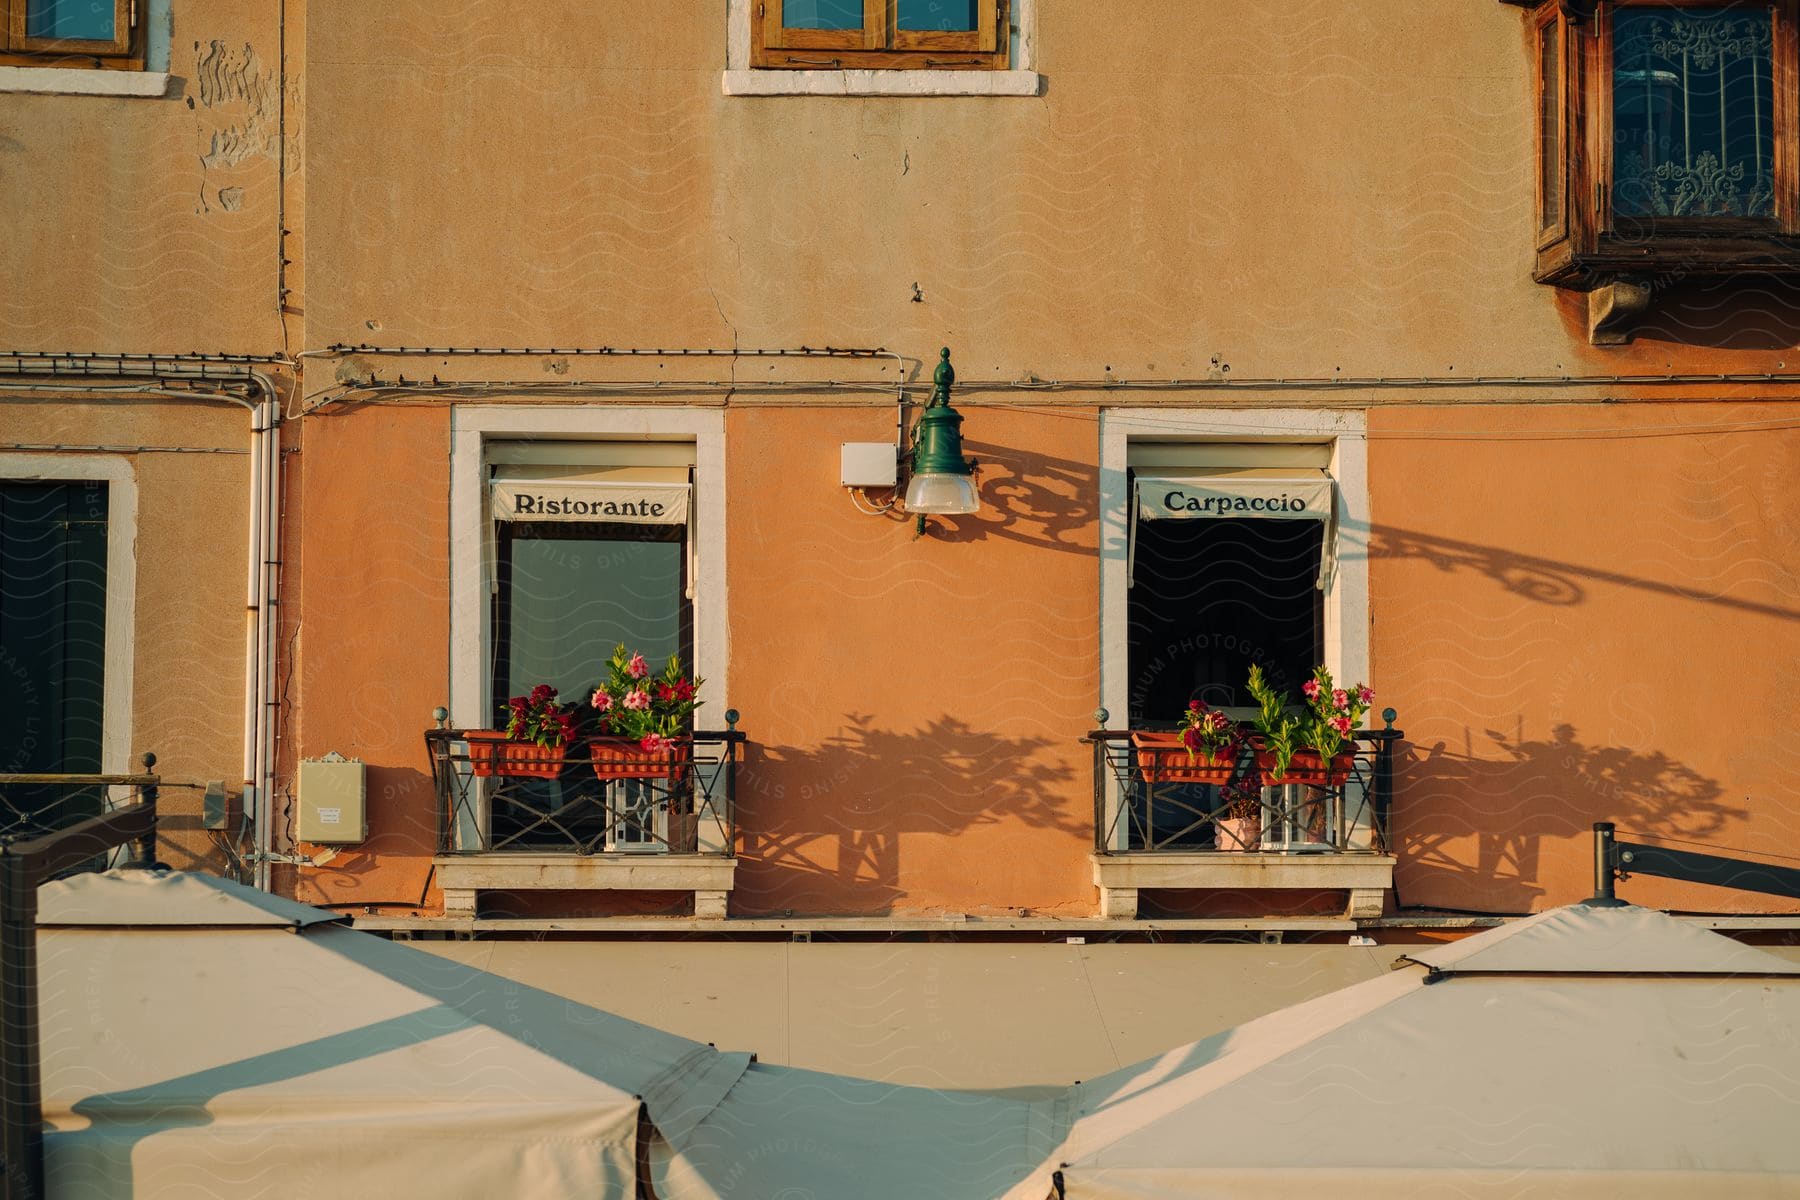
(36, 805)
(1135, 815)
(682, 807)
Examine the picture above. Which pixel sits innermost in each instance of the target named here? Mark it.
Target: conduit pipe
(263, 558)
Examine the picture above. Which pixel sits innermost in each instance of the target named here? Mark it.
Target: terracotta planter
(1162, 758)
(623, 758)
(491, 752)
(1306, 767)
(1237, 833)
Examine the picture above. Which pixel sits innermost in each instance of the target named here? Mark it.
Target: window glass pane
(1550, 150)
(87, 20)
(953, 16)
(1693, 133)
(822, 14)
(52, 647)
(569, 593)
(1211, 597)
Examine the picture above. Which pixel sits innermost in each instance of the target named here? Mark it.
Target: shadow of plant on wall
(1522, 791)
(822, 828)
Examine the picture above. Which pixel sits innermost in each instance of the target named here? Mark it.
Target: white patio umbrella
(1587, 1051)
(203, 1039)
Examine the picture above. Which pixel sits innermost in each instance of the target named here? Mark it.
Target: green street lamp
(942, 479)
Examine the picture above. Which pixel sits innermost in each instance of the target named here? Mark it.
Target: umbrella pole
(1605, 866)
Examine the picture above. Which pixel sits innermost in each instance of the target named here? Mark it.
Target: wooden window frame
(124, 51)
(1590, 246)
(879, 44)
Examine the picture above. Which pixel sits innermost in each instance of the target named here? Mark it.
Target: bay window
(1667, 136)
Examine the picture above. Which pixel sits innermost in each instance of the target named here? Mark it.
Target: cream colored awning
(1588, 1051)
(199, 1038)
(615, 501)
(1283, 494)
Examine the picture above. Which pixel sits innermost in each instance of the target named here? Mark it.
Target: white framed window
(85, 47)
(115, 484)
(576, 453)
(1229, 537)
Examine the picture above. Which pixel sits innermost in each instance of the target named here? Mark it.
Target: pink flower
(1342, 725)
(1216, 721)
(1340, 698)
(1310, 689)
(602, 701)
(1365, 695)
(637, 668)
(652, 743)
(637, 699)
(1190, 737)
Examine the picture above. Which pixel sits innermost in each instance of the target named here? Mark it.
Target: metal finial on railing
(149, 761)
(441, 715)
(1101, 717)
(731, 719)
(1387, 718)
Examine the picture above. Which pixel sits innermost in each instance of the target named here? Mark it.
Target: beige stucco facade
(1581, 580)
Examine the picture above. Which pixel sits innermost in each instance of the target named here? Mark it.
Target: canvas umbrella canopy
(782, 1133)
(201, 1038)
(1586, 1051)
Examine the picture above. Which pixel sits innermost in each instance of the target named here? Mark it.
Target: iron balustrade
(1135, 815)
(689, 807)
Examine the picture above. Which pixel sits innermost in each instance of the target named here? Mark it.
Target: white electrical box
(331, 794)
(870, 465)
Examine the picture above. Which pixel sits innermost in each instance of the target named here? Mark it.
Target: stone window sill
(74, 81)
(883, 83)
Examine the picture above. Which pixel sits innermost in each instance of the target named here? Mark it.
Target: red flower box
(491, 752)
(623, 758)
(1306, 767)
(1163, 758)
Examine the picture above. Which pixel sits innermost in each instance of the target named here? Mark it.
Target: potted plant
(1331, 715)
(1277, 729)
(1202, 749)
(1306, 747)
(645, 722)
(534, 742)
(1238, 825)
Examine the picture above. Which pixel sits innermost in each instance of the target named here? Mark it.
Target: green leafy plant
(1332, 713)
(648, 710)
(1278, 727)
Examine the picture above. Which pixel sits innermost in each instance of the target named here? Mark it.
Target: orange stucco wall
(1586, 614)
(372, 586)
(915, 703)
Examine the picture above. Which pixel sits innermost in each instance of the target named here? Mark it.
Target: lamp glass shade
(934, 493)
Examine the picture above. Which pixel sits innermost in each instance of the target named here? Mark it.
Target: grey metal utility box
(331, 801)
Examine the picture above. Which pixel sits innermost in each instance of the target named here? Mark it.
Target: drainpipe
(261, 633)
(104, 374)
